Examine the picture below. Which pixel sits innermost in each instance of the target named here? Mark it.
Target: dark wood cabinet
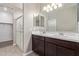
(54, 47)
(38, 45)
(50, 49)
(62, 51)
(77, 49)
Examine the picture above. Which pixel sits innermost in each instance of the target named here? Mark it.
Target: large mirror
(60, 17)
(78, 16)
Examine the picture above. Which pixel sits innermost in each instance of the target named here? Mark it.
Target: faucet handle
(61, 33)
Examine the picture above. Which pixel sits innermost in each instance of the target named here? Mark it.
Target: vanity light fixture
(52, 6)
(44, 8)
(48, 6)
(55, 7)
(47, 10)
(51, 9)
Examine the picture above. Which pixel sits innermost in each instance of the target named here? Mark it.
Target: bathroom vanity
(64, 20)
(52, 46)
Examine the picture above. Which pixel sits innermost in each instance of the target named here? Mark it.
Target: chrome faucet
(61, 33)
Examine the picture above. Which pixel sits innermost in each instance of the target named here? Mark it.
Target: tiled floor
(10, 51)
(33, 54)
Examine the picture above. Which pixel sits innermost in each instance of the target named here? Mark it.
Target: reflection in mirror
(51, 25)
(67, 18)
(60, 17)
(78, 16)
(38, 22)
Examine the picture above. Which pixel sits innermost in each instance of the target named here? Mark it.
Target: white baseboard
(25, 54)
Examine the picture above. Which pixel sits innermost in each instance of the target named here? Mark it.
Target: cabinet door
(62, 51)
(77, 52)
(77, 49)
(50, 49)
(38, 45)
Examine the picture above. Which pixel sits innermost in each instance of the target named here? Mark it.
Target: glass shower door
(19, 32)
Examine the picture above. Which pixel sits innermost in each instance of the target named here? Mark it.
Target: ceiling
(13, 6)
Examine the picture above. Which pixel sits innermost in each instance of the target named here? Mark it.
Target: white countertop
(67, 36)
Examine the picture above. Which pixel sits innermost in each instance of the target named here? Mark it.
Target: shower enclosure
(19, 29)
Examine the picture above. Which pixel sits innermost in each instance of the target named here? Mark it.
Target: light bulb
(51, 9)
(47, 10)
(52, 4)
(60, 5)
(5, 8)
(44, 8)
(55, 7)
(48, 6)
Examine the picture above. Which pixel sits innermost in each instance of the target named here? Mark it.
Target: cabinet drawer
(59, 42)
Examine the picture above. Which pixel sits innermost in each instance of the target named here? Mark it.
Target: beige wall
(29, 10)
